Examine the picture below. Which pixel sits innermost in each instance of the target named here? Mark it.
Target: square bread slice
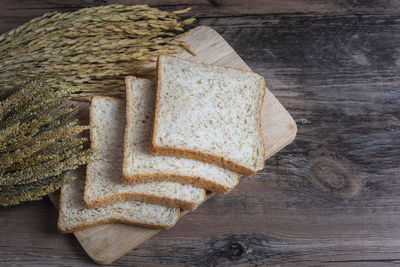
(104, 182)
(140, 165)
(209, 113)
(74, 215)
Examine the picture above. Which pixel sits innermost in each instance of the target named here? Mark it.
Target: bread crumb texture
(138, 160)
(104, 182)
(211, 110)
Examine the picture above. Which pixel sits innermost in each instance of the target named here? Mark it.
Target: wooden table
(330, 198)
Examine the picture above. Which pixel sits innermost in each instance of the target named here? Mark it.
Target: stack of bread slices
(194, 130)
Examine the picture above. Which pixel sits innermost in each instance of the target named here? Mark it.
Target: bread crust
(179, 178)
(118, 197)
(150, 198)
(197, 154)
(260, 106)
(60, 213)
(164, 176)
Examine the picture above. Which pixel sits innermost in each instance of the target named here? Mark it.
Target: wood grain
(331, 198)
(106, 243)
(14, 13)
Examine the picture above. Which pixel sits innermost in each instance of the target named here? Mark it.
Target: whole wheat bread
(74, 215)
(104, 182)
(140, 165)
(209, 113)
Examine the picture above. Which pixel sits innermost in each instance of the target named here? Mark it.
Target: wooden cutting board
(106, 243)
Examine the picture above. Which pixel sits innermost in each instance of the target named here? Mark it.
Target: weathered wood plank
(14, 13)
(330, 198)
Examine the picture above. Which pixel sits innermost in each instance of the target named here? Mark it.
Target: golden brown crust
(128, 123)
(196, 154)
(201, 156)
(83, 226)
(260, 106)
(163, 176)
(149, 198)
(179, 178)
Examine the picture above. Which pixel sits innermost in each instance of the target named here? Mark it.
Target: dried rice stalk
(91, 49)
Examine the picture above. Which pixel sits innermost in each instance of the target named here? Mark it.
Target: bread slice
(104, 182)
(74, 215)
(209, 113)
(140, 165)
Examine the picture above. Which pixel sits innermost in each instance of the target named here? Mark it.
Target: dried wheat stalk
(38, 142)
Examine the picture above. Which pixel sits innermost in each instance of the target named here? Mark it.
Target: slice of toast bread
(209, 113)
(74, 215)
(104, 182)
(140, 165)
